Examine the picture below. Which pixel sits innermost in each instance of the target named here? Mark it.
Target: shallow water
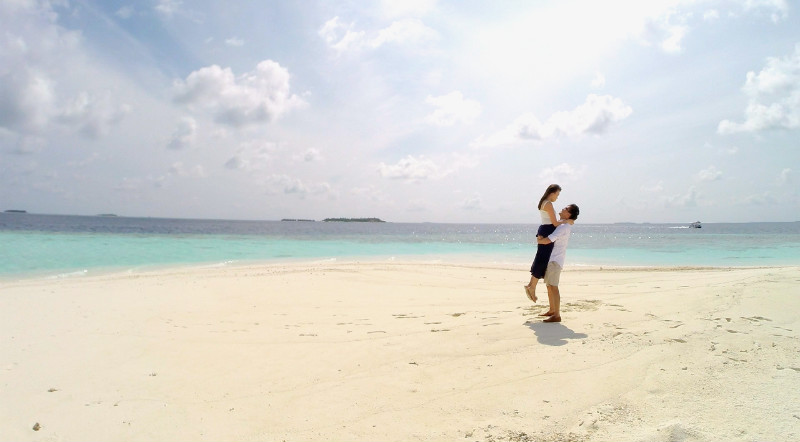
(63, 245)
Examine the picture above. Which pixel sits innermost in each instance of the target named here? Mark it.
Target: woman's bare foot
(531, 293)
(553, 319)
(547, 313)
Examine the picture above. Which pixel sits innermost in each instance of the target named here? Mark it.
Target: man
(560, 238)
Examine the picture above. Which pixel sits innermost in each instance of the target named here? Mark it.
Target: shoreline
(455, 260)
(401, 351)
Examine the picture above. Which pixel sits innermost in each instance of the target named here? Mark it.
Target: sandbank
(398, 351)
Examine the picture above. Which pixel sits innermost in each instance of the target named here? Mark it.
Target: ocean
(34, 245)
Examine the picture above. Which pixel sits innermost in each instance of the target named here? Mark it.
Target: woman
(549, 224)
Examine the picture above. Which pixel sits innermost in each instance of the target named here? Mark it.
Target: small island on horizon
(16, 211)
(354, 220)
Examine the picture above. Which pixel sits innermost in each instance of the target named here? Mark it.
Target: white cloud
(310, 155)
(168, 7)
(653, 188)
(178, 169)
(129, 185)
(342, 37)
(774, 97)
(759, 199)
(394, 8)
(407, 31)
(778, 9)
(689, 199)
(411, 169)
(415, 169)
(37, 58)
(252, 156)
(562, 173)
(32, 50)
(184, 135)
(598, 81)
(92, 115)
(472, 203)
(595, 116)
(370, 193)
(27, 100)
(672, 42)
(667, 31)
(709, 174)
(785, 177)
(711, 15)
(281, 183)
(258, 96)
(234, 42)
(125, 12)
(452, 108)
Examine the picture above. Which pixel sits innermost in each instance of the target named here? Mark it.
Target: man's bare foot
(553, 319)
(547, 313)
(531, 293)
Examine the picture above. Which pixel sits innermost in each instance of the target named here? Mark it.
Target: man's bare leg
(550, 307)
(555, 303)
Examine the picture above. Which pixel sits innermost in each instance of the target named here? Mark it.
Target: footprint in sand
(756, 319)
(619, 307)
(779, 367)
(406, 316)
(583, 305)
(533, 310)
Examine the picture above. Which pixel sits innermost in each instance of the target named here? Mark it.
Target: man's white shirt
(560, 238)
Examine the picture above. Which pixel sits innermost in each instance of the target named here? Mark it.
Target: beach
(397, 351)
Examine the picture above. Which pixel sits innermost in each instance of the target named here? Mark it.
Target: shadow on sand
(554, 333)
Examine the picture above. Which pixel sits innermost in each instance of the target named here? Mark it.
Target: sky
(409, 111)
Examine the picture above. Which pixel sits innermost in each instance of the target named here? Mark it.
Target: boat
(695, 225)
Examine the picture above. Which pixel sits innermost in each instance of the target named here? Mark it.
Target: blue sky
(411, 111)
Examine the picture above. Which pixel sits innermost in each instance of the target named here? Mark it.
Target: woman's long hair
(553, 188)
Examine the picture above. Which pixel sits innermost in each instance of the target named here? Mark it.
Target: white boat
(695, 225)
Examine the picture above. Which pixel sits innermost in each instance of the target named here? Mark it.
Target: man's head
(570, 212)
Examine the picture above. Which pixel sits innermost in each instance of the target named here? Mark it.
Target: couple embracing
(552, 238)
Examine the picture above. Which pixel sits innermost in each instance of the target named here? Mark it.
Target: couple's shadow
(553, 333)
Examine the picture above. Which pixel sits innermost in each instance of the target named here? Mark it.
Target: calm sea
(56, 245)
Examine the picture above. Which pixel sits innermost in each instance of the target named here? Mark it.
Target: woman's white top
(545, 215)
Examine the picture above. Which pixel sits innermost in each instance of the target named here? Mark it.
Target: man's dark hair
(574, 211)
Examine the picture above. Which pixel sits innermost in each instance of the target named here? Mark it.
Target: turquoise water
(48, 253)
(50, 245)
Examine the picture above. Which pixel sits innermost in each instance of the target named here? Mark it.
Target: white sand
(401, 351)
